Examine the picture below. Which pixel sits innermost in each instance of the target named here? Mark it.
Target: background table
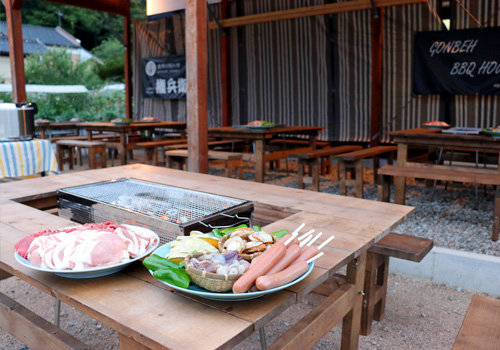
(23, 158)
(124, 130)
(259, 137)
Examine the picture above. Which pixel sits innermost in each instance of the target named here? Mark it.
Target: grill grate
(167, 210)
(174, 204)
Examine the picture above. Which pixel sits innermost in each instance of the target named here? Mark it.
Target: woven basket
(210, 281)
(247, 257)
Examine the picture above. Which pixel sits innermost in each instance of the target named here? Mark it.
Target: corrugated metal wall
(316, 70)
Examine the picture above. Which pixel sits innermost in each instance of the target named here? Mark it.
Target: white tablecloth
(22, 158)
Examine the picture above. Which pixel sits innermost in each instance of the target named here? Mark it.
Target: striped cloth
(24, 158)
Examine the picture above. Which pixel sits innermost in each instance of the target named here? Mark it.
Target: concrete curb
(471, 271)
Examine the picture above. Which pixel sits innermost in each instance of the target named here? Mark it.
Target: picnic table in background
(23, 158)
(46, 128)
(259, 136)
(124, 130)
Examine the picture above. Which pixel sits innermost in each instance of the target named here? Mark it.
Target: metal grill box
(167, 210)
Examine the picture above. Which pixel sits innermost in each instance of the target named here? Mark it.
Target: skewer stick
(315, 257)
(314, 239)
(303, 243)
(292, 237)
(326, 242)
(305, 235)
(296, 232)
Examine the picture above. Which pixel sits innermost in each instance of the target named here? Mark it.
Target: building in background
(38, 39)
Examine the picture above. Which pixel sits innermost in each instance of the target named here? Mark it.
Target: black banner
(457, 62)
(164, 77)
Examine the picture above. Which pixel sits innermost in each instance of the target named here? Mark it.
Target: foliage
(91, 27)
(111, 52)
(55, 67)
(91, 106)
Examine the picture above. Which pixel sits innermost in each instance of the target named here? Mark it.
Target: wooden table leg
(352, 321)
(127, 343)
(400, 182)
(259, 161)
(359, 177)
(123, 150)
(302, 164)
(496, 215)
(342, 177)
(315, 174)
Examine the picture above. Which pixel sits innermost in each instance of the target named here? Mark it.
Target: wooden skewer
(305, 235)
(303, 243)
(292, 237)
(296, 232)
(314, 239)
(326, 242)
(314, 257)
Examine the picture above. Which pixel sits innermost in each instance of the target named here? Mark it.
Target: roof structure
(48, 89)
(38, 38)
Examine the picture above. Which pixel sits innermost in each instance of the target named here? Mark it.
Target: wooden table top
(247, 133)
(155, 315)
(138, 125)
(425, 137)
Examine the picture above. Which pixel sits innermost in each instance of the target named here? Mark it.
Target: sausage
(287, 236)
(263, 265)
(283, 277)
(292, 253)
(307, 254)
(283, 240)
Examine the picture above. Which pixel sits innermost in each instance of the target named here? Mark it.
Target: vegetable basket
(213, 282)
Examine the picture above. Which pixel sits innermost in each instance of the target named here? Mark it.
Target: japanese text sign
(164, 77)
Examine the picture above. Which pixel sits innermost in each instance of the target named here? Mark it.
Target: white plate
(227, 296)
(93, 272)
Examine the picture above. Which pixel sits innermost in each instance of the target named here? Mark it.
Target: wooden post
(196, 73)
(16, 53)
(376, 87)
(128, 60)
(225, 77)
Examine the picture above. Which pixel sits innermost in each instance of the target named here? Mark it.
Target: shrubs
(91, 106)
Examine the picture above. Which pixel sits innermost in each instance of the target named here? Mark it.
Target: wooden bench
(232, 160)
(311, 159)
(33, 330)
(377, 271)
(481, 327)
(65, 152)
(444, 173)
(354, 161)
(151, 148)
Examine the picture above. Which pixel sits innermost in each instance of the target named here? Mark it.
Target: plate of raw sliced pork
(86, 251)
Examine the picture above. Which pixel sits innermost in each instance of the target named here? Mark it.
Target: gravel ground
(419, 314)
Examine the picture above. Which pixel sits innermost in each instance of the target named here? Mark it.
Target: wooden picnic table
(123, 132)
(147, 314)
(44, 128)
(259, 138)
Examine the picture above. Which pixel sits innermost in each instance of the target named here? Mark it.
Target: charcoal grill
(167, 210)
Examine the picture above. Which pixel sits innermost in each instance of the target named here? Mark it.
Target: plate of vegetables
(257, 125)
(173, 274)
(493, 132)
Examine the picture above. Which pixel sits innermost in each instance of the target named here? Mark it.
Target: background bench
(151, 148)
(377, 271)
(481, 327)
(311, 160)
(354, 161)
(232, 160)
(444, 173)
(65, 152)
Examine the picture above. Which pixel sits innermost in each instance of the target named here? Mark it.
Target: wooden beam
(225, 76)
(376, 85)
(319, 10)
(118, 7)
(196, 74)
(128, 65)
(16, 52)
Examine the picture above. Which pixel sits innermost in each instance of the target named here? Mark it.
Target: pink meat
(86, 246)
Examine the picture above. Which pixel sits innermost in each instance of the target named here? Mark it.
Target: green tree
(111, 52)
(55, 67)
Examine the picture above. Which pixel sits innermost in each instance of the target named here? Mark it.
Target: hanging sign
(457, 62)
(164, 77)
